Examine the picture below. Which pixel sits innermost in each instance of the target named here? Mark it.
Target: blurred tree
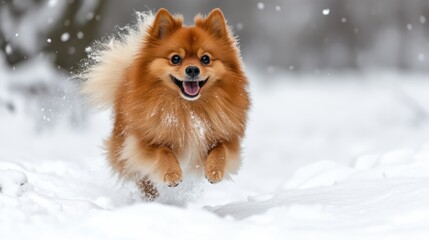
(62, 29)
(80, 28)
(289, 34)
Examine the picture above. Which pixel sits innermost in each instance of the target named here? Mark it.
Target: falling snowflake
(79, 35)
(71, 50)
(326, 11)
(89, 16)
(8, 49)
(261, 5)
(65, 37)
(52, 3)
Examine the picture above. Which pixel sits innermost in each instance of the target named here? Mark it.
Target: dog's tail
(104, 70)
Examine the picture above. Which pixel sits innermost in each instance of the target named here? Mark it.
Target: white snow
(261, 5)
(13, 183)
(325, 157)
(198, 125)
(169, 120)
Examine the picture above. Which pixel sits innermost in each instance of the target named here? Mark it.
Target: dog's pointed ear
(215, 23)
(164, 24)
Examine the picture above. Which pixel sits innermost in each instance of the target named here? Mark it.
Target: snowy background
(337, 145)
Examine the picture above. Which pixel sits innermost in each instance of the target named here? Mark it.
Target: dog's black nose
(192, 71)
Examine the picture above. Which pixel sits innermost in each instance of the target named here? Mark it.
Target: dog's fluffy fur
(160, 133)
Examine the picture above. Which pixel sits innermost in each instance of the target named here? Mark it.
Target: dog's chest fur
(189, 134)
(189, 129)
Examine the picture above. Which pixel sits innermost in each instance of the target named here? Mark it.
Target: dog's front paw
(173, 178)
(214, 174)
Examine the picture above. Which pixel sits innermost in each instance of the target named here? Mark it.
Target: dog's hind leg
(148, 189)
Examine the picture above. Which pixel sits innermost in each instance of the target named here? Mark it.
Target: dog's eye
(205, 60)
(176, 59)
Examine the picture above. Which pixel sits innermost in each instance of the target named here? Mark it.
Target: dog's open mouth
(190, 89)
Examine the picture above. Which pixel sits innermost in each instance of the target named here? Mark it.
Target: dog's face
(190, 60)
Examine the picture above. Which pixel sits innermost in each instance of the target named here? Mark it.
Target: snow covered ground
(326, 157)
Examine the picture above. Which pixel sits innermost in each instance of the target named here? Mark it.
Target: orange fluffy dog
(179, 98)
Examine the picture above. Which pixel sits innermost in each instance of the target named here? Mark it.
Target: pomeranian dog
(179, 97)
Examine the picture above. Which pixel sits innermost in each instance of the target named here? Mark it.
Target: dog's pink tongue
(191, 88)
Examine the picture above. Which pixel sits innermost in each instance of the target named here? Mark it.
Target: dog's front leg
(223, 159)
(156, 163)
(166, 169)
